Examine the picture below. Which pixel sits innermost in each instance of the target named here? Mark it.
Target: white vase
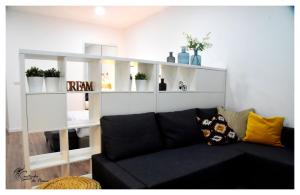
(130, 83)
(141, 85)
(52, 84)
(35, 84)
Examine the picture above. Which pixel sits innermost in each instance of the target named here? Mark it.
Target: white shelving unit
(48, 111)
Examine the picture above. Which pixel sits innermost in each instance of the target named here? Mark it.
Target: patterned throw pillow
(216, 131)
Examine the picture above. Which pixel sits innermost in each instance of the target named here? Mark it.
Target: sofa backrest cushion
(179, 128)
(206, 113)
(126, 136)
(287, 137)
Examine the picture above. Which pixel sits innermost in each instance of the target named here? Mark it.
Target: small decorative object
(171, 58)
(70, 182)
(183, 56)
(196, 45)
(130, 82)
(86, 101)
(106, 84)
(52, 80)
(182, 86)
(162, 85)
(80, 86)
(35, 79)
(141, 81)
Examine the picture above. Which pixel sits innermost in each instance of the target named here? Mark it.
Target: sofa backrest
(287, 137)
(126, 136)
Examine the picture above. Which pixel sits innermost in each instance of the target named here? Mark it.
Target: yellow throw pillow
(264, 130)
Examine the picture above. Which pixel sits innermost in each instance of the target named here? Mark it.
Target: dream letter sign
(79, 86)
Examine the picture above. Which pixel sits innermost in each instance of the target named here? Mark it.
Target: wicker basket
(71, 182)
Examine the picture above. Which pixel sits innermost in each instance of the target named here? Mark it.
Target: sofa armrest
(287, 137)
(111, 176)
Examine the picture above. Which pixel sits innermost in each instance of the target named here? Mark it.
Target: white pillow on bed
(80, 116)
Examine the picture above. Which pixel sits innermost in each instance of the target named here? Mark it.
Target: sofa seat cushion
(125, 136)
(192, 163)
(110, 175)
(271, 153)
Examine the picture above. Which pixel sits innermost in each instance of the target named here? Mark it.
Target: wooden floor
(14, 159)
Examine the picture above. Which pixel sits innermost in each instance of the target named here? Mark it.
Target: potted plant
(141, 81)
(52, 80)
(196, 45)
(35, 78)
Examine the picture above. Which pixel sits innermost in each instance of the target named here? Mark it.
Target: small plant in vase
(35, 78)
(52, 80)
(141, 81)
(196, 45)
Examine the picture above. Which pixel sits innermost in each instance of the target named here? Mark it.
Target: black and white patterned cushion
(216, 130)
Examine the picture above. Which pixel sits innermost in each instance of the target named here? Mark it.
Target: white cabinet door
(210, 80)
(46, 112)
(176, 101)
(126, 103)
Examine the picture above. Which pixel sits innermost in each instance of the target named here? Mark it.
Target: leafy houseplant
(140, 76)
(196, 45)
(35, 79)
(141, 81)
(52, 79)
(51, 73)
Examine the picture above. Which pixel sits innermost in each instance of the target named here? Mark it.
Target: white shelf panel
(80, 124)
(83, 92)
(46, 160)
(190, 92)
(37, 54)
(42, 93)
(80, 154)
(127, 92)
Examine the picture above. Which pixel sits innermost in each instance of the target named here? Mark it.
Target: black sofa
(168, 151)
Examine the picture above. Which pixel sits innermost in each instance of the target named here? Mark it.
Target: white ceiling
(119, 17)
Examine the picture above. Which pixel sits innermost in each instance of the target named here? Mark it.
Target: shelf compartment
(80, 124)
(46, 160)
(80, 154)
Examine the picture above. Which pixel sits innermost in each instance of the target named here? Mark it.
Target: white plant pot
(141, 85)
(52, 84)
(130, 84)
(35, 84)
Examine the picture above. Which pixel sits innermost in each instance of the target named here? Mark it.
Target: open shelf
(46, 160)
(80, 154)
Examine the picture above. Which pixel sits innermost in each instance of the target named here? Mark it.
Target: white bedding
(80, 116)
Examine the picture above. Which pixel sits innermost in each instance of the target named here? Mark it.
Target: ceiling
(118, 17)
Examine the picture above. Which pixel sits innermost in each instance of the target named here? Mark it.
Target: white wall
(28, 31)
(255, 44)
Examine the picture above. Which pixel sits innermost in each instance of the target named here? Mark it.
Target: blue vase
(196, 59)
(183, 56)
